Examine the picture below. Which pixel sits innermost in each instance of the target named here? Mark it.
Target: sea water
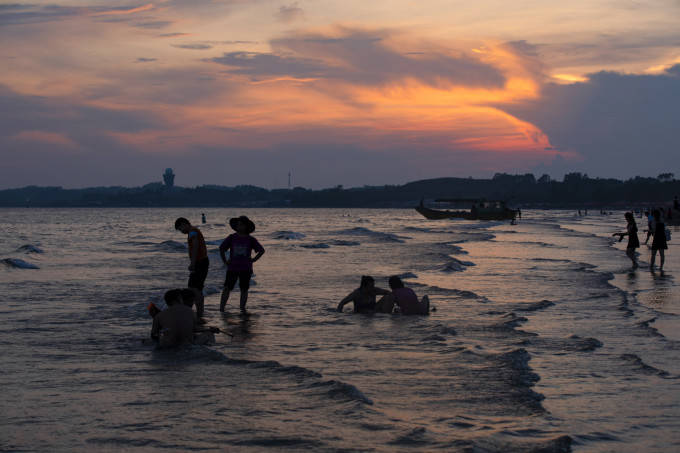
(543, 338)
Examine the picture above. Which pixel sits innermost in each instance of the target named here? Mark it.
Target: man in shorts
(240, 264)
(198, 257)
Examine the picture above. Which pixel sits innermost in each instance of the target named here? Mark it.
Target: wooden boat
(480, 210)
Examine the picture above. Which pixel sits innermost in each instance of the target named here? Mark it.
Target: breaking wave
(16, 263)
(29, 248)
(288, 235)
(377, 235)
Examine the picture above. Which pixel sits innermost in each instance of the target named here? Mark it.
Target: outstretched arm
(382, 292)
(350, 297)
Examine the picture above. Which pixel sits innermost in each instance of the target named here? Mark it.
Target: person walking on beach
(633, 241)
(198, 260)
(659, 242)
(364, 296)
(240, 264)
(650, 225)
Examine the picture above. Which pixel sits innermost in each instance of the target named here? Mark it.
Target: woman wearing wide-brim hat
(240, 264)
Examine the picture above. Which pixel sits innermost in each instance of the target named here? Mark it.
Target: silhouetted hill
(576, 190)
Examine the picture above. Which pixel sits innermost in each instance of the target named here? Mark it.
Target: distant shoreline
(576, 191)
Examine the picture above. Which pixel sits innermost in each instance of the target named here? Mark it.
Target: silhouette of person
(633, 241)
(198, 258)
(240, 264)
(175, 325)
(364, 296)
(659, 243)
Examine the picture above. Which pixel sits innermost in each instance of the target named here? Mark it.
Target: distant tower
(290, 174)
(169, 178)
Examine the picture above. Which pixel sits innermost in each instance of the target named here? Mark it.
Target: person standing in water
(633, 241)
(198, 258)
(240, 264)
(659, 242)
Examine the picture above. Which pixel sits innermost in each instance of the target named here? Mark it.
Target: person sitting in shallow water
(174, 326)
(405, 299)
(364, 297)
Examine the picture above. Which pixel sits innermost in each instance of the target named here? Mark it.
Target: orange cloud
(119, 12)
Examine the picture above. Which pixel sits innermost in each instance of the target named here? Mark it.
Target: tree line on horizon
(576, 189)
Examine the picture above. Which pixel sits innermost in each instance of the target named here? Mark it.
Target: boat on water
(479, 210)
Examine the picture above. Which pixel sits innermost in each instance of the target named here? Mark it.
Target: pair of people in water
(657, 229)
(364, 298)
(240, 246)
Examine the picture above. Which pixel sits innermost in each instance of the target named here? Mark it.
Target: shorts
(198, 275)
(243, 278)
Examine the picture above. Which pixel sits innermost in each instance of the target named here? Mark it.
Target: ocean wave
(331, 388)
(518, 360)
(377, 235)
(318, 245)
(287, 235)
(536, 306)
(455, 265)
(647, 326)
(341, 243)
(16, 263)
(640, 365)
(342, 390)
(173, 246)
(30, 248)
(406, 275)
(456, 292)
(414, 437)
(474, 237)
(572, 344)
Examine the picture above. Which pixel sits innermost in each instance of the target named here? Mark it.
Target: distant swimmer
(175, 325)
(198, 257)
(364, 297)
(240, 264)
(203, 217)
(633, 241)
(406, 299)
(659, 243)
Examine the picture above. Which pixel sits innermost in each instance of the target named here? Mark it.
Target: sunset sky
(339, 92)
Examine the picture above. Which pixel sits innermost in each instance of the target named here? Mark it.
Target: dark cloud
(146, 60)
(621, 124)
(360, 57)
(674, 70)
(605, 50)
(35, 113)
(16, 14)
(193, 46)
(267, 64)
(173, 35)
(289, 13)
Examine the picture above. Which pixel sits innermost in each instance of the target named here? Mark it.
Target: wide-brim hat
(233, 223)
